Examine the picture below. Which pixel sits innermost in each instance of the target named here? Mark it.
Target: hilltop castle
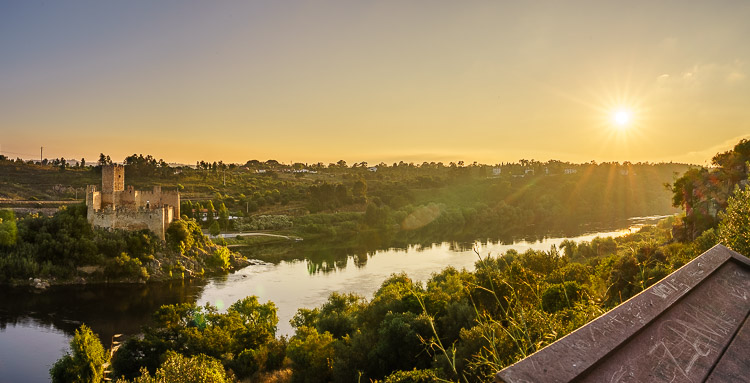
(115, 207)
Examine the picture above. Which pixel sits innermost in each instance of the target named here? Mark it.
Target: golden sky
(309, 81)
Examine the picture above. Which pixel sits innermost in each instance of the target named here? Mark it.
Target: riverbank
(304, 279)
(41, 251)
(93, 275)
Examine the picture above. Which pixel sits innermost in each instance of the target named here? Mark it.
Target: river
(36, 326)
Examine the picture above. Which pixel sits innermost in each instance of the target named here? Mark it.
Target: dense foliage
(181, 369)
(85, 363)
(457, 326)
(242, 339)
(8, 228)
(704, 192)
(432, 198)
(65, 246)
(734, 225)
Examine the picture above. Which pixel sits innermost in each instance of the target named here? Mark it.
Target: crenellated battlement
(118, 207)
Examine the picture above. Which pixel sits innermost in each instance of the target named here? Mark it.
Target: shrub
(734, 227)
(219, 259)
(86, 364)
(125, 266)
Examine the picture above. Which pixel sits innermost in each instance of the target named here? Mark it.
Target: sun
(622, 117)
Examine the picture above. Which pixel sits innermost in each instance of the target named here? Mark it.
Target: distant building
(529, 172)
(373, 168)
(497, 171)
(570, 171)
(115, 207)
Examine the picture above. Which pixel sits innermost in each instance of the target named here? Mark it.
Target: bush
(734, 227)
(560, 296)
(125, 267)
(86, 364)
(8, 229)
(312, 354)
(219, 259)
(181, 369)
(265, 222)
(182, 235)
(413, 376)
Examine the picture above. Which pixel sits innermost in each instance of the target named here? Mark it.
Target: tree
(104, 160)
(8, 229)
(359, 191)
(341, 194)
(312, 354)
(86, 364)
(223, 216)
(214, 229)
(210, 212)
(734, 227)
(186, 208)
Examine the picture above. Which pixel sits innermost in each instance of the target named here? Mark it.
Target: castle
(116, 207)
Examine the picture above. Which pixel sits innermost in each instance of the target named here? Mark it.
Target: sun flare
(622, 117)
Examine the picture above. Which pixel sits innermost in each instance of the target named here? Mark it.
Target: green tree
(223, 216)
(186, 208)
(214, 229)
(734, 227)
(104, 160)
(210, 212)
(312, 354)
(359, 191)
(8, 229)
(182, 235)
(87, 362)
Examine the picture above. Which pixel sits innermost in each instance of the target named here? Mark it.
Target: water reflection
(328, 255)
(107, 309)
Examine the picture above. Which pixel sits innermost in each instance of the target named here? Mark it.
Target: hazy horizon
(378, 82)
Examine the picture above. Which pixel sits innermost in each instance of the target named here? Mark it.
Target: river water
(36, 326)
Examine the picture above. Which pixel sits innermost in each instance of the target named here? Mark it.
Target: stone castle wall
(115, 207)
(156, 220)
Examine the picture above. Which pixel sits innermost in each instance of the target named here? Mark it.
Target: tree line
(460, 326)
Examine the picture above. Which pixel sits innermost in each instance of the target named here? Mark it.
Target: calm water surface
(35, 326)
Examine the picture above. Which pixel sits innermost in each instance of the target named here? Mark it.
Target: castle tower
(113, 178)
(116, 208)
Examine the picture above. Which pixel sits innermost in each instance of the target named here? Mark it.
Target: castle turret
(113, 178)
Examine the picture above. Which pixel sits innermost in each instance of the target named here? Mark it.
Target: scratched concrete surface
(689, 327)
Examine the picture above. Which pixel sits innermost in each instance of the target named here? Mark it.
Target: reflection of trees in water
(325, 255)
(107, 309)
